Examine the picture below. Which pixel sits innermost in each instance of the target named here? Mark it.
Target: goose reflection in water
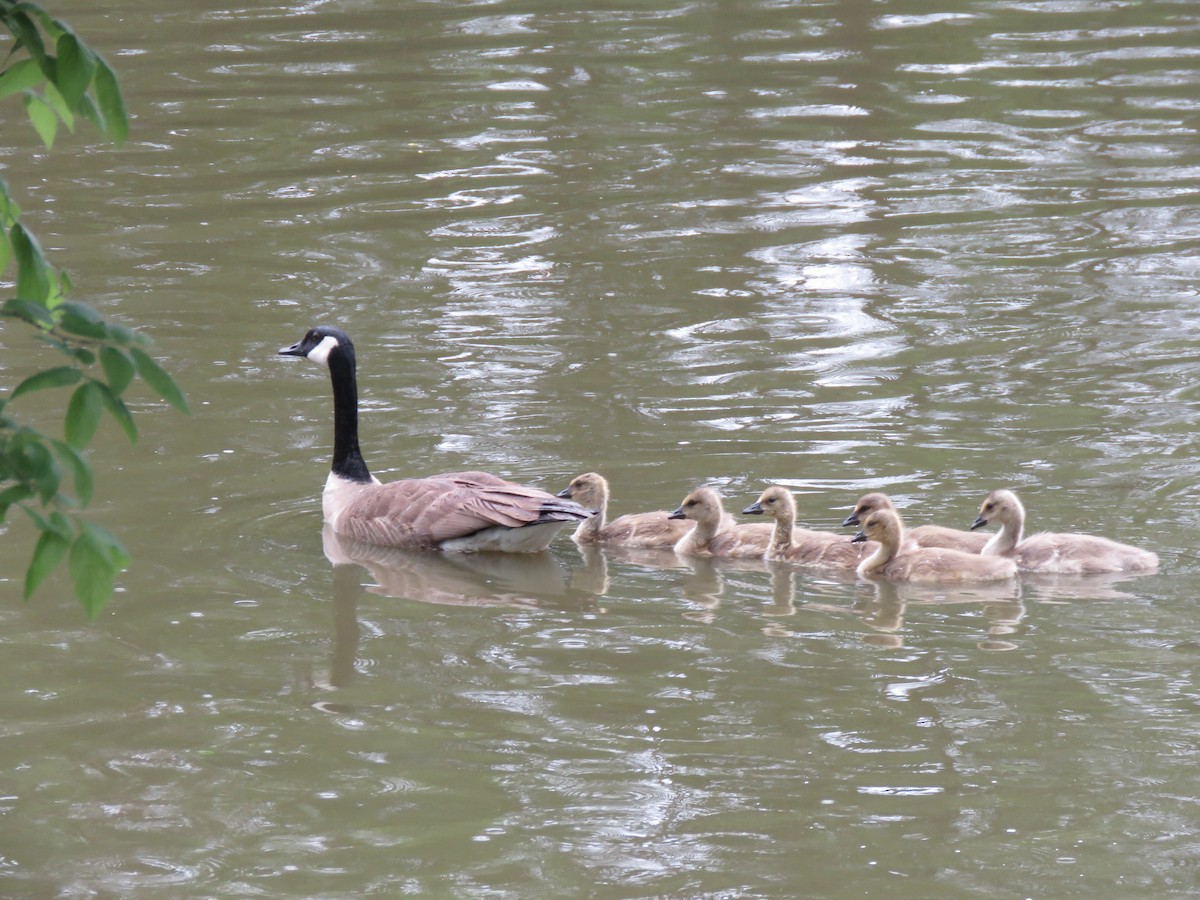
(459, 579)
(505, 580)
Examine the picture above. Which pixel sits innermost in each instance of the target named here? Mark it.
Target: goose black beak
(859, 538)
(564, 494)
(293, 350)
(754, 509)
(851, 519)
(979, 523)
(677, 514)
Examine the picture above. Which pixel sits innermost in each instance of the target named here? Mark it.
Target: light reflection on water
(844, 248)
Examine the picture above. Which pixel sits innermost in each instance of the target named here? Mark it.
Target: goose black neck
(347, 458)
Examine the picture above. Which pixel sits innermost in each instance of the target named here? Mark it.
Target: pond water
(842, 246)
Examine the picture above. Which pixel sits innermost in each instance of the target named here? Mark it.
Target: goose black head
(319, 343)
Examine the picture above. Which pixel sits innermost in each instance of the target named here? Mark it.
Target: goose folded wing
(423, 512)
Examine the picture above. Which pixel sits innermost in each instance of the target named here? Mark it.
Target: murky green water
(844, 246)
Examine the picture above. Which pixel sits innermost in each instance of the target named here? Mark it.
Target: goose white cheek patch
(320, 353)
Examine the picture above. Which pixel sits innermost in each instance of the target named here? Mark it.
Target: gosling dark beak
(851, 519)
(979, 523)
(293, 350)
(564, 494)
(677, 514)
(754, 509)
(859, 538)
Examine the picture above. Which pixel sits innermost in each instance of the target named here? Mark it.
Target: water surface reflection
(843, 246)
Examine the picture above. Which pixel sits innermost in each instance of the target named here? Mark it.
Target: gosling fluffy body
(921, 535)
(647, 531)
(802, 546)
(923, 564)
(1065, 554)
(711, 535)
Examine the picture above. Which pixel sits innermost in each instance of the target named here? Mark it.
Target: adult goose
(1065, 554)
(800, 545)
(921, 535)
(942, 565)
(464, 511)
(648, 531)
(712, 535)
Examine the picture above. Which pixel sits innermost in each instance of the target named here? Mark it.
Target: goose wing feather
(424, 512)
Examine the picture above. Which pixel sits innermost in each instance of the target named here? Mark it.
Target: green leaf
(47, 554)
(119, 411)
(42, 523)
(20, 76)
(8, 207)
(85, 355)
(83, 414)
(27, 35)
(96, 557)
(159, 380)
(11, 495)
(86, 108)
(81, 470)
(33, 272)
(33, 313)
(110, 101)
(45, 122)
(60, 525)
(58, 103)
(50, 25)
(50, 378)
(81, 319)
(76, 67)
(118, 368)
(34, 464)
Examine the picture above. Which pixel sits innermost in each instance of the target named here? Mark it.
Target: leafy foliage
(61, 80)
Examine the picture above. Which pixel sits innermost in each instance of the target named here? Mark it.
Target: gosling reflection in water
(1000, 605)
(702, 578)
(884, 610)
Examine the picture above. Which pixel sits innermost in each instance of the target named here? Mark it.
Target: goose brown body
(711, 535)
(921, 535)
(464, 511)
(649, 530)
(943, 565)
(1064, 554)
(803, 546)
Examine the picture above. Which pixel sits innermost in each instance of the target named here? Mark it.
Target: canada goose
(922, 535)
(927, 564)
(711, 535)
(465, 511)
(1065, 554)
(800, 545)
(650, 530)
